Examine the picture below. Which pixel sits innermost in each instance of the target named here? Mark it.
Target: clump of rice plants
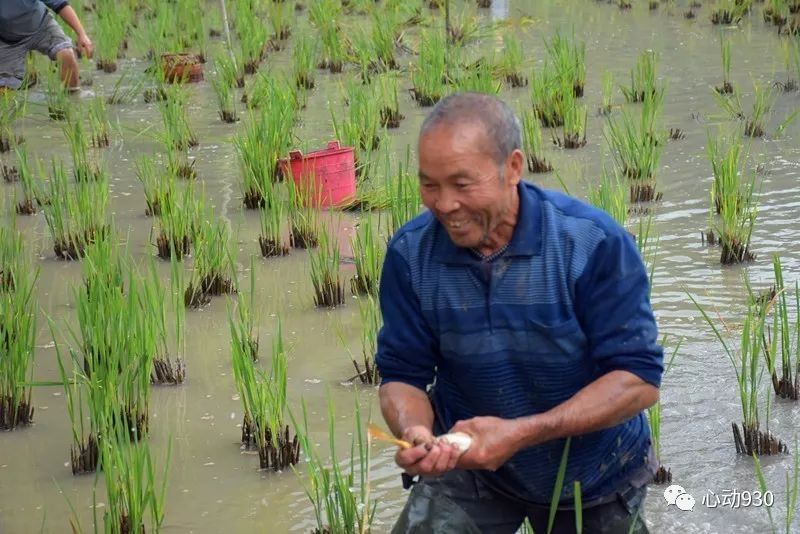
(109, 35)
(333, 51)
(155, 183)
(18, 311)
(75, 216)
(223, 86)
(781, 340)
(177, 222)
(125, 88)
(279, 15)
(303, 54)
(427, 77)
(304, 226)
(10, 173)
(271, 240)
(259, 147)
(511, 61)
(733, 198)
(792, 491)
(133, 492)
(57, 95)
(748, 438)
(370, 312)
(252, 37)
(368, 253)
(168, 370)
(83, 169)
(546, 97)
(573, 131)
(339, 494)
(388, 101)
(362, 125)
(730, 11)
(608, 94)
(569, 60)
(243, 324)
(178, 163)
(610, 195)
(30, 186)
(385, 29)
(99, 127)
(405, 202)
(11, 108)
(213, 262)
(776, 12)
(175, 116)
(663, 474)
(763, 100)
(727, 86)
(643, 78)
(637, 148)
(532, 143)
(478, 78)
(264, 399)
(326, 272)
(464, 26)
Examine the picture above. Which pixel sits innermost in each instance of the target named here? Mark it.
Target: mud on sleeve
(406, 345)
(613, 304)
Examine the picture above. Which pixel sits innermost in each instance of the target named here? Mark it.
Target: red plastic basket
(327, 176)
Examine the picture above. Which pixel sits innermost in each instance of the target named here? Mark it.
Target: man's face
(460, 182)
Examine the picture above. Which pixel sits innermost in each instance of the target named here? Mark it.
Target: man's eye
(462, 185)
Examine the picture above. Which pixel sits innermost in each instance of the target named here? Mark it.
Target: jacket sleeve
(407, 347)
(613, 305)
(56, 5)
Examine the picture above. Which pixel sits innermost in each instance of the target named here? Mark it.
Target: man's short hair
(502, 128)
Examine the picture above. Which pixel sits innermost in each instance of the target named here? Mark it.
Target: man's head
(470, 164)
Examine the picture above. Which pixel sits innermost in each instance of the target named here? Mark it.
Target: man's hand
(425, 458)
(494, 441)
(85, 45)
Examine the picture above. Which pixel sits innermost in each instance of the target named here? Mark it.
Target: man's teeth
(455, 224)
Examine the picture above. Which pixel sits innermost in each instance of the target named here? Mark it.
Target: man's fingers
(427, 464)
(406, 458)
(445, 457)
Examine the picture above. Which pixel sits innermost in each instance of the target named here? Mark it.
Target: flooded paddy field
(213, 481)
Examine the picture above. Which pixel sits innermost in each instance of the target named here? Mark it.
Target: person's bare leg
(70, 71)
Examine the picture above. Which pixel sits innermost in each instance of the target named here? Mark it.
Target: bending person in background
(27, 25)
(520, 317)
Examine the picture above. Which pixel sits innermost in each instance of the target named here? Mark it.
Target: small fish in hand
(459, 440)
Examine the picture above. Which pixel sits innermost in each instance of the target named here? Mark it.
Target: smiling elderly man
(522, 318)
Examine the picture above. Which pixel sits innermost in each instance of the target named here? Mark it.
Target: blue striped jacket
(567, 302)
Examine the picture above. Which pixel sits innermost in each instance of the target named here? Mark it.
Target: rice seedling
(776, 12)
(385, 29)
(748, 438)
(243, 324)
(109, 34)
(478, 78)
(428, 76)
(177, 222)
(733, 199)
(265, 404)
(725, 48)
(763, 100)
(178, 163)
(214, 268)
(272, 220)
(791, 491)
(532, 143)
(279, 15)
(11, 108)
(154, 184)
(166, 370)
(573, 132)
(368, 253)
(610, 195)
(57, 96)
(326, 274)
(730, 11)
(304, 226)
(361, 127)
(511, 61)
(252, 38)
(464, 26)
(663, 475)
(388, 101)
(781, 341)
(259, 147)
(339, 494)
(643, 78)
(133, 493)
(569, 60)
(99, 127)
(31, 190)
(124, 92)
(546, 98)
(303, 54)
(174, 114)
(405, 200)
(75, 216)
(608, 93)
(18, 311)
(83, 169)
(370, 312)
(333, 48)
(637, 148)
(226, 99)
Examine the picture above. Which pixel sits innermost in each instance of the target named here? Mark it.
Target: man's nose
(447, 202)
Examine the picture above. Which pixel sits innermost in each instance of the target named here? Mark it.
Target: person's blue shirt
(22, 18)
(566, 302)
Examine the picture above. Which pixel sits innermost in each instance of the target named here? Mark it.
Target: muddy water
(214, 487)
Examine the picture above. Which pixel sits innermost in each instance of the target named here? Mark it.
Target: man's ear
(515, 166)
